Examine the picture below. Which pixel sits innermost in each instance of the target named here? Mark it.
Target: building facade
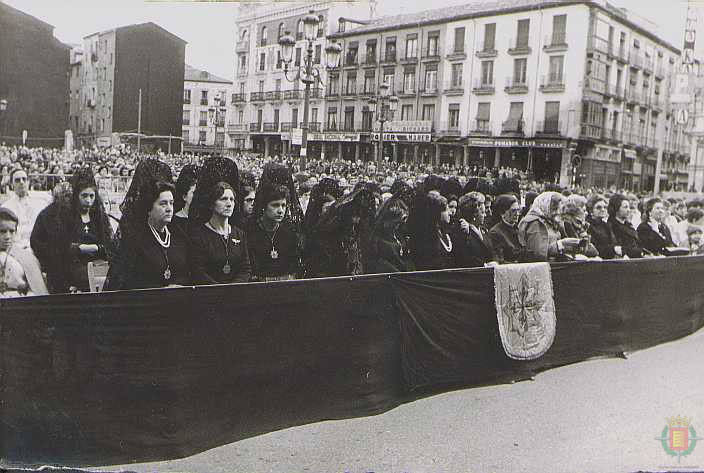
(205, 108)
(115, 66)
(266, 106)
(34, 79)
(522, 84)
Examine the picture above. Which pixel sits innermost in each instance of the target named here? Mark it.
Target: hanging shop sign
(410, 137)
(515, 143)
(609, 154)
(333, 137)
(407, 126)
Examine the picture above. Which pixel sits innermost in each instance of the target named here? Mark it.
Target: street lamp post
(383, 106)
(217, 116)
(3, 108)
(307, 72)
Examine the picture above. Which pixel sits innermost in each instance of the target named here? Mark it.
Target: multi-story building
(523, 83)
(205, 107)
(265, 105)
(34, 79)
(74, 87)
(115, 66)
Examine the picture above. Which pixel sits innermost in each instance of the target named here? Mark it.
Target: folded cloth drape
(525, 309)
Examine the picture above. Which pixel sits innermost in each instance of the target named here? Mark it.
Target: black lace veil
(214, 170)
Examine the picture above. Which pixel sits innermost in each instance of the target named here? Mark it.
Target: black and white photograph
(354, 236)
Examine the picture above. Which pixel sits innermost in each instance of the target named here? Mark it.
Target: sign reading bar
(515, 143)
(333, 136)
(412, 137)
(407, 126)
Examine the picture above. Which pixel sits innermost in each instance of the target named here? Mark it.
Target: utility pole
(139, 123)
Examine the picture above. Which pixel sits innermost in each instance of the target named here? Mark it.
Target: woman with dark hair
(214, 170)
(247, 204)
(503, 237)
(149, 254)
(273, 243)
(470, 240)
(430, 244)
(279, 175)
(625, 235)
(80, 233)
(185, 187)
(322, 197)
(335, 243)
(539, 231)
(388, 252)
(653, 234)
(529, 199)
(599, 230)
(219, 250)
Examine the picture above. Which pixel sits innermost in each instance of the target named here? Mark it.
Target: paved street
(598, 416)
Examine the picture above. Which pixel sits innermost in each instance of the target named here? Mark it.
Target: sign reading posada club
(515, 143)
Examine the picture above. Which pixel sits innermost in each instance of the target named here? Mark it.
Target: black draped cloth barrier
(112, 378)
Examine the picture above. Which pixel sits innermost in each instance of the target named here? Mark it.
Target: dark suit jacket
(504, 243)
(470, 250)
(626, 237)
(603, 238)
(652, 241)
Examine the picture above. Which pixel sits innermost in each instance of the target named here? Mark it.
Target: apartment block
(205, 110)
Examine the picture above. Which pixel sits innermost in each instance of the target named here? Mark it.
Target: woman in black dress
(624, 234)
(654, 235)
(388, 252)
(470, 239)
(185, 187)
(431, 245)
(273, 243)
(601, 235)
(503, 237)
(218, 249)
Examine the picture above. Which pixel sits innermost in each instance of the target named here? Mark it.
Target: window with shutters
(203, 118)
(522, 33)
(411, 46)
(487, 73)
(299, 30)
(459, 40)
(552, 117)
(456, 76)
(351, 84)
(454, 116)
(369, 82)
(276, 116)
(407, 112)
(240, 116)
(352, 50)
(390, 51)
(431, 75)
(314, 115)
(332, 119)
(366, 119)
(185, 134)
(520, 69)
(429, 112)
(278, 85)
(186, 117)
(433, 41)
(187, 96)
(264, 37)
(489, 37)
(261, 86)
(201, 137)
(389, 79)
(262, 61)
(281, 30)
(409, 82)
(333, 84)
(321, 26)
(349, 119)
(557, 64)
(370, 55)
(279, 63)
(559, 29)
(483, 116)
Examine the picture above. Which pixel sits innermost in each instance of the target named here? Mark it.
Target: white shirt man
(24, 205)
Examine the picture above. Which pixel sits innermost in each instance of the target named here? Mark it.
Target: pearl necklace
(448, 248)
(166, 242)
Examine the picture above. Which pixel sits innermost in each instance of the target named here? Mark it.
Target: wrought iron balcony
(256, 126)
(486, 50)
(286, 126)
(256, 96)
(481, 127)
(242, 46)
(519, 47)
(331, 127)
(513, 126)
(555, 42)
(449, 129)
(453, 87)
(204, 101)
(203, 123)
(316, 93)
(273, 95)
(271, 126)
(516, 86)
(553, 83)
(483, 88)
(293, 94)
(549, 127)
(314, 126)
(592, 132)
(389, 58)
(238, 98)
(237, 127)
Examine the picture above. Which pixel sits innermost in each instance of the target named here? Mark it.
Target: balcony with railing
(237, 127)
(590, 131)
(351, 60)
(273, 95)
(513, 126)
(239, 98)
(549, 128)
(350, 90)
(256, 126)
(555, 42)
(314, 126)
(203, 123)
(429, 90)
(597, 44)
(595, 85)
(552, 83)
(660, 71)
(316, 93)
(481, 127)
(186, 121)
(287, 126)
(635, 60)
(648, 65)
(331, 127)
(348, 127)
(271, 127)
(454, 87)
(242, 46)
(409, 59)
(486, 50)
(429, 56)
(516, 85)
(633, 97)
(483, 88)
(293, 95)
(389, 58)
(187, 100)
(449, 129)
(204, 101)
(368, 90)
(621, 54)
(256, 96)
(458, 52)
(519, 47)
(404, 91)
(370, 60)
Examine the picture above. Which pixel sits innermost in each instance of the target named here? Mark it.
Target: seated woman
(219, 252)
(387, 248)
(273, 243)
(185, 187)
(21, 275)
(600, 232)
(150, 254)
(539, 230)
(619, 222)
(574, 225)
(652, 232)
(431, 245)
(503, 237)
(470, 240)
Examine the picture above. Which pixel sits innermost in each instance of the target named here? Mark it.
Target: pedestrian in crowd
(388, 251)
(653, 234)
(431, 244)
(77, 234)
(619, 221)
(694, 217)
(540, 233)
(470, 241)
(503, 237)
(185, 187)
(602, 237)
(21, 274)
(24, 205)
(219, 252)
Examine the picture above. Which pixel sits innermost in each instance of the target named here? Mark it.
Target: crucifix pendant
(274, 254)
(167, 273)
(226, 269)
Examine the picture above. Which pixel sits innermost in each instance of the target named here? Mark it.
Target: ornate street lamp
(307, 72)
(383, 107)
(216, 115)
(3, 108)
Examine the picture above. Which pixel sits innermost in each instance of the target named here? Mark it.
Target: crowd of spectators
(169, 219)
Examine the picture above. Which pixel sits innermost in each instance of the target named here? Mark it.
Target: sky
(208, 26)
